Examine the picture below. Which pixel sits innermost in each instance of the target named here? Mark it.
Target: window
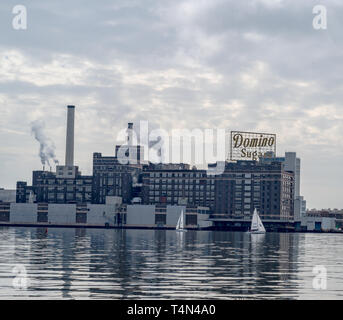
(81, 217)
(70, 196)
(191, 219)
(160, 219)
(60, 196)
(4, 216)
(42, 217)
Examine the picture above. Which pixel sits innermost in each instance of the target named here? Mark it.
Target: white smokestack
(70, 137)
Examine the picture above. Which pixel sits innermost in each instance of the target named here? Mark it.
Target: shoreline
(56, 226)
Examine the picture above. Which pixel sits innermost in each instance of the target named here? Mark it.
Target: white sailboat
(180, 226)
(256, 224)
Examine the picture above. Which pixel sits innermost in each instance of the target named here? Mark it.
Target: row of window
(180, 181)
(98, 168)
(67, 189)
(180, 193)
(63, 182)
(176, 174)
(179, 187)
(177, 199)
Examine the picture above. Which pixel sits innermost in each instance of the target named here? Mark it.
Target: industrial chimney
(69, 171)
(129, 135)
(70, 137)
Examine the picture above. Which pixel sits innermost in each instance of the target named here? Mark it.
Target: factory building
(66, 185)
(24, 193)
(111, 178)
(246, 185)
(119, 175)
(177, 184)
(292, 164)
(49, 187)
(271, 185)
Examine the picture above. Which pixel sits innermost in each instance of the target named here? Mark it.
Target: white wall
(100, 214)
(328, 224)
(62, 214)
(310, 225)
(23, 213)
(143, 215)
(202, 221)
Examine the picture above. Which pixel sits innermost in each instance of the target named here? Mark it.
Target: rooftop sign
(251, 145)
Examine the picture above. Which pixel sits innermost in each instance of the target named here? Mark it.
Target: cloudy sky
(256, 65)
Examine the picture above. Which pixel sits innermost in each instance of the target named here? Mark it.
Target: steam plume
(46, 145)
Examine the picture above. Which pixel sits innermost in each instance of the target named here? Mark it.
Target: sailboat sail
(181, 222)
(256, 223)
(178, 225)
(260, 225)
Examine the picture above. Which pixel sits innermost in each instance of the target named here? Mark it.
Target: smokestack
(129, 136)
(70, 137)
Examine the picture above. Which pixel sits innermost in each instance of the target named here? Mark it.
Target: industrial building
(246, 185)
(292, 164)
(111, 178)
(112, 175)
(270, 184)
(177, 184)
(66, 185)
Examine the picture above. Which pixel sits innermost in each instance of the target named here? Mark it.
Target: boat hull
(256, 232)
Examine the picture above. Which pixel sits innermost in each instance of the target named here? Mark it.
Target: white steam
(46, 147)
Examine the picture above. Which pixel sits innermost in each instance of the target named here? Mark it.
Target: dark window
(42, 217)
(160, 219)
(81, 217)
(191, 219)
(4, 216)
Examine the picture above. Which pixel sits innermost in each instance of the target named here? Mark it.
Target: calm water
(147, 264)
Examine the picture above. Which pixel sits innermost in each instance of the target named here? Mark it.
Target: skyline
(193, 64)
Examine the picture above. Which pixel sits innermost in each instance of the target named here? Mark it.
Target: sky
(255, 65)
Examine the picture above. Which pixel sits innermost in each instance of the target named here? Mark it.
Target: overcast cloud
(242, 65)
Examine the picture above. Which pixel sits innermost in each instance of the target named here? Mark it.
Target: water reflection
(160, 264)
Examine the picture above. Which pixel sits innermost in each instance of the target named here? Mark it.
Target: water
(159, 264)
